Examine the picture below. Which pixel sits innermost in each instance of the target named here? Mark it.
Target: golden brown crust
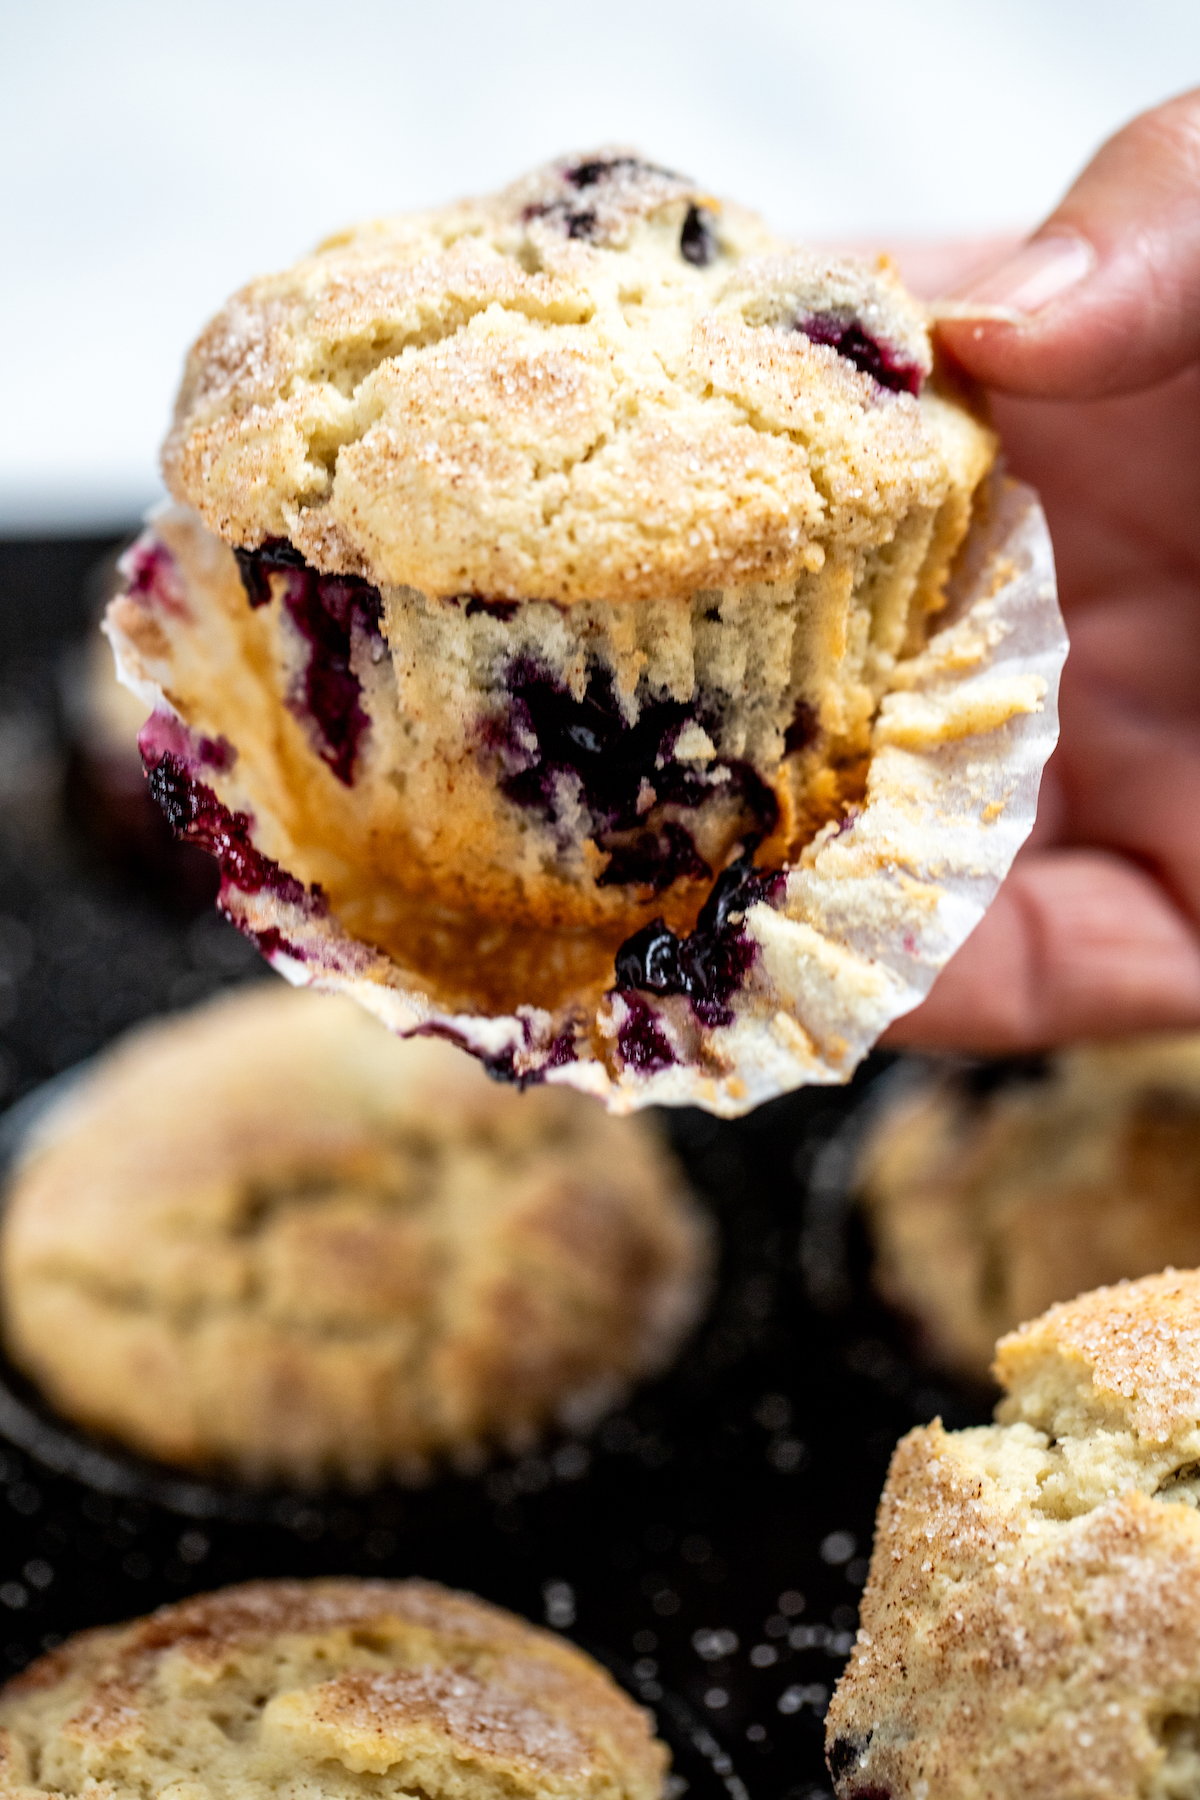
(548, 394)
(360, 1687)
(1135, 1347)
(1029, 1624)
(268, 1234)
(986, 1209)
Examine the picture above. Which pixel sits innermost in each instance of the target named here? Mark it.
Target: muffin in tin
(268, 1238)
(993, 1190)
(342, 1688)
(1029, 1625)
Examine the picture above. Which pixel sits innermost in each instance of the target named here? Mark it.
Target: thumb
(1105, 297)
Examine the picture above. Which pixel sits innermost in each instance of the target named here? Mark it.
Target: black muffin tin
(709, 1541)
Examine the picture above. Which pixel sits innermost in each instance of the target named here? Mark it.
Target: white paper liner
(870, 914)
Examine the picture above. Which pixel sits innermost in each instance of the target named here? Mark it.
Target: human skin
(1095, 383)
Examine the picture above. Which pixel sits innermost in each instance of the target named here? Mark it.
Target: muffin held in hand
(268, 1236)
(336, 1688)
(1031, 1624)
(991, 1192)
(539, 569)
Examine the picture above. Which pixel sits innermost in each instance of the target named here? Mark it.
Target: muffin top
(1029, 1625)
(994, 1191)
(599, 383)
(1121, 1360)
(341, 1688)
(267, 1233)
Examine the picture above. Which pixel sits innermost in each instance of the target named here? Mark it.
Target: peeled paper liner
(874, 908)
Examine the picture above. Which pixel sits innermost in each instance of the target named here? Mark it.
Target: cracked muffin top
(342, 1688)
(599, 383)
(267, 1236)
(993, 1191)
(1029, 1626)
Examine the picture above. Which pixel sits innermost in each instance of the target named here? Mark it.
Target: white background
(154, 156)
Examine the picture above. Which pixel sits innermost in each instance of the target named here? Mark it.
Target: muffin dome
(268, 1236)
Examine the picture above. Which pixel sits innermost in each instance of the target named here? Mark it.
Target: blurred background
(158, 155)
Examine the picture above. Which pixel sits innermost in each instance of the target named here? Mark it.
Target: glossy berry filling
(623, 772)
(873, 356)
(712, 961)
(330, 612)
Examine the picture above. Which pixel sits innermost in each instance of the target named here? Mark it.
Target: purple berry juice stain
(154, 577)
(502, 1064)
(165, 734)
(641, 1039)
(711, 962)
(875, 357)
(193, 812)
(329, 612)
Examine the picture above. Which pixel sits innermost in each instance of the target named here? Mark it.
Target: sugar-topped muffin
(991, 1192)
(268, 1236)
(539, 569)
(338, 1688)
(1031, 1623)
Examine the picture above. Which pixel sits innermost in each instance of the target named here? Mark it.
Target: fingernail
(1041, 271)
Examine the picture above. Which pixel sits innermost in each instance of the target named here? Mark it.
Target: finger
(1105, 297)
(1078, 944)
(929, 267)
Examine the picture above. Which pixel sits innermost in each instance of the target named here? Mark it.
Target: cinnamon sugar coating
(600, 383)
(346, 1688)
(1030, 1624)
(269, 1235)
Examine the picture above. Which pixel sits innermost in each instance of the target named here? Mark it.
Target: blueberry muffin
(339, 1688)
(1031, 1624)
(269, 1237)
(539, 571)
(995, 1190)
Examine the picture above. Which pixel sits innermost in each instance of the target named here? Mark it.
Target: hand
(1095, 375)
